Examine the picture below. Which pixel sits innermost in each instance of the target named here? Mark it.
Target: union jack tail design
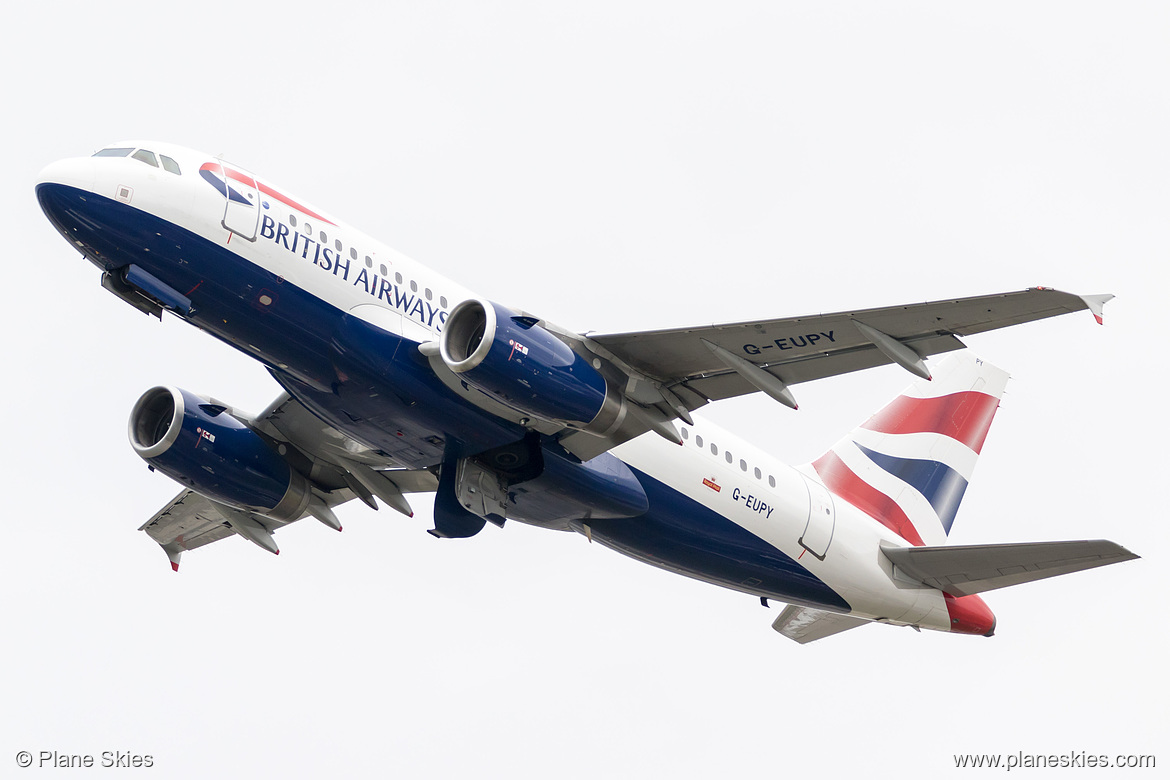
(908, 465)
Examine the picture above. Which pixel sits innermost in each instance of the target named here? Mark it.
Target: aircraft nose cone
(60, 187)
(66, 194)
(74, 172)
(970, 615)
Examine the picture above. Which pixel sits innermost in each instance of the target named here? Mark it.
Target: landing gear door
(242, 210)
(818, 532)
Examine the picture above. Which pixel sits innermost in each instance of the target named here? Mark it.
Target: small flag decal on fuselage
(712, 484)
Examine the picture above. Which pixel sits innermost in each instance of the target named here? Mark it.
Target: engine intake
(200, 445)
(517, 362)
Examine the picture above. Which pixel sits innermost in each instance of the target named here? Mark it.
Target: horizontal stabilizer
(970, 569)
(805, 624)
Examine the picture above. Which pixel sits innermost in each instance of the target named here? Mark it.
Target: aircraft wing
(800, 349)
(189, 521)
(805, 624)
(339, 469)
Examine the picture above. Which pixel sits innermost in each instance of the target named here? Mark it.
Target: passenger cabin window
(686, 434)
(337, 245)
(443, 301)
(427, 292)
(397, 277)
(742, 465)
(146, 157)
(413, 286)
(771, 481)
(698, 440)
(292, 219)
(352, 253)
(114, 152)
(759, 474)
(170, 165)
(714, 449)
(382, 268)
(727, 455)
(324, 238)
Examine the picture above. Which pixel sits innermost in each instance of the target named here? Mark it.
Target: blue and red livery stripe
(938, 483)
(842, 482)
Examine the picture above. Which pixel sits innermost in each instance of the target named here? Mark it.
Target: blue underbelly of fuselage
(377, 388)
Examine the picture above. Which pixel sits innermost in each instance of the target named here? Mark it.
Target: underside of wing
(805, 624)
(188, 522)
(801, 349)
(329, 469)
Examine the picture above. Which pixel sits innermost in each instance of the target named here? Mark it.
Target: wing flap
(805, 624)
(970, 569)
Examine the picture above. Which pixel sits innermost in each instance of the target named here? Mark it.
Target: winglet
(174, 553)
(1096, 304)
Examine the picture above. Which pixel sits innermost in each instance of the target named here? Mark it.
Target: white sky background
(621, 166)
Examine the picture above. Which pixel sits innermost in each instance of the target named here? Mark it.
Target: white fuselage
(788, 508)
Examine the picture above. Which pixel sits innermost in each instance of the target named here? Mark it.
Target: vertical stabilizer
(908, 466)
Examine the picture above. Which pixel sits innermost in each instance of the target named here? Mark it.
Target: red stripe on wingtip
(841, 480)
(1100, 320)
(174, 566)
(965, 417)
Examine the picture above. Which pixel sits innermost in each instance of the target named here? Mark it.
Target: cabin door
(818, 532)
(242, 202)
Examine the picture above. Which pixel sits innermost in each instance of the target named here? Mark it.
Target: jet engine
(199, 444)
(517, 362)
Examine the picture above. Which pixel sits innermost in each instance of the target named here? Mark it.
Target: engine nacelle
(521, 364)
(200, 445)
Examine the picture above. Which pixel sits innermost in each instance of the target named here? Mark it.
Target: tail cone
(970, 615)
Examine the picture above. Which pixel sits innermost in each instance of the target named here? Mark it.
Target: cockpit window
(146, 157)
(114, 152)
(170, 165)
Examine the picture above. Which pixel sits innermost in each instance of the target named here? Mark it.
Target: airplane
(397, 380)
